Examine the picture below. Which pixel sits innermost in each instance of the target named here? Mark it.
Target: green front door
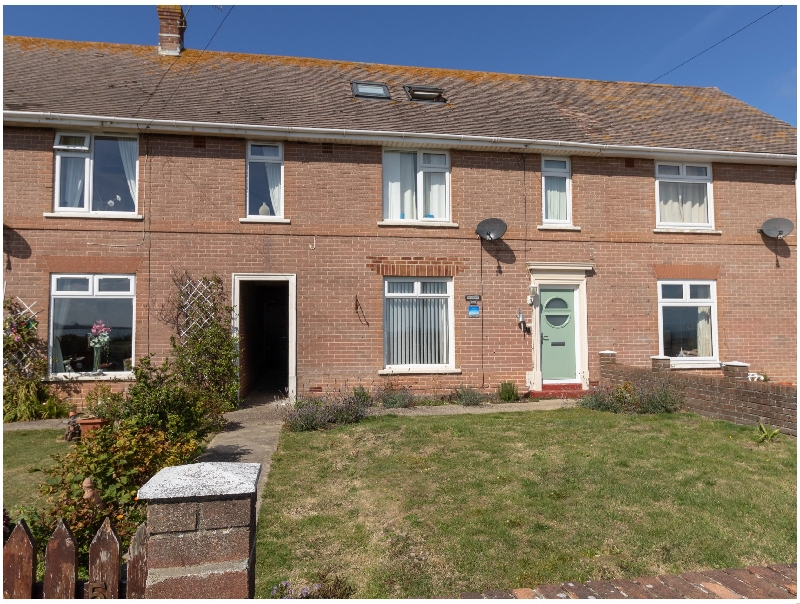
(557, 323)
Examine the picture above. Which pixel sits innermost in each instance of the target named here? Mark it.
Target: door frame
(563, 275)
(238, 278)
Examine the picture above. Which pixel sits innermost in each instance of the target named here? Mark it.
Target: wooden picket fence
(106, 578)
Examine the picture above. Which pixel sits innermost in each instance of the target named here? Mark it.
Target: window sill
(692, 364)
(122, 376)
(557, 227)
(95, 215)
(688, 231)
(418, 371)
(418, 223)
(274, 219)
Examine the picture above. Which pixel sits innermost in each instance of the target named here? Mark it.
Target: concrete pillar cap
(608, 352)
(660, 357)
(207, 479)
(736, 364)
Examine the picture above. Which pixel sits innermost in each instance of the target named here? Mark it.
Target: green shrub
(507, 391)
(26, 396)
(103, 403)
(766, 433)
(362, 395)
(467, 396)
(392, 397)
(646, 397)
(324, 412)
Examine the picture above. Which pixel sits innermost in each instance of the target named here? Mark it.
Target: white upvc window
(83, 306)
(96, 173)
(264, 180)
(687, 321)
(416, 185)
(418, 323)
(556, 191)
(684, 196)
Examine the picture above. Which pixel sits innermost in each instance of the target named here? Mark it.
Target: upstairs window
(684, 196)
(416, 185)
(264, 180)
(95, 173)
(556, 190)
(687, 315)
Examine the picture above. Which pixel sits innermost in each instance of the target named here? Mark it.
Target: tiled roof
(120, 80)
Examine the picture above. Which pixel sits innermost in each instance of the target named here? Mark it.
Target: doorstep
(563, 391)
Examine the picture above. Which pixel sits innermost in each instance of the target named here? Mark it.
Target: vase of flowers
(99, 340)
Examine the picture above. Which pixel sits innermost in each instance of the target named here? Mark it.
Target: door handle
(544, 337)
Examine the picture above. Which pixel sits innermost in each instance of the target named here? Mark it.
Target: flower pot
(88, 424)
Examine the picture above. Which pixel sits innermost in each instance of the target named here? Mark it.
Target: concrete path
(39, 424)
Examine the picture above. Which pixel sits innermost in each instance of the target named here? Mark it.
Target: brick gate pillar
(201, 521)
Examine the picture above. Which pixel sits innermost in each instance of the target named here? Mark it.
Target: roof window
(425, 93)
(370, 90)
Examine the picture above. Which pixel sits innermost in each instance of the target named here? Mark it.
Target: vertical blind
(417, 328)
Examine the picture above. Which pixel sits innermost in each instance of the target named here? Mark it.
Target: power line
(703, 52)
(188, 72)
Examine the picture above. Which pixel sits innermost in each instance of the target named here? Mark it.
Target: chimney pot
(172, 26)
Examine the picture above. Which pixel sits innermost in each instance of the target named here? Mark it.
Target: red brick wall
(192, 199)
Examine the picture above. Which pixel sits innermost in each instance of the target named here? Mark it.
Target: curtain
(73, 171)
(683, 202)
(60, 311)
(273, 171)
(129, 152)
(399, 185)
(416, 331)
(435, 187)
(704, 331)
(555, 194)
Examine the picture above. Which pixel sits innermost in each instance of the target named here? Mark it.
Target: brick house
(339, 202)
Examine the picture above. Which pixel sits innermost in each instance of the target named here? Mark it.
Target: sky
(619, 43)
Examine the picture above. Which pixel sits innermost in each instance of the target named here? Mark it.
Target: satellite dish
(777, 227)
(491, 229)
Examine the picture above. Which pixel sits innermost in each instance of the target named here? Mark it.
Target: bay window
(91, 323)
(96, 174)
(687, 316)
(416, 185)
(684, 196)
(418, 323)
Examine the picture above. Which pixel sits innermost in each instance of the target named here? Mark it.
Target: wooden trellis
(61, 568)
(196, 299)
(23, 358)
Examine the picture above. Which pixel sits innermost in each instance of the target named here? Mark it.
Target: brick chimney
(172, 26)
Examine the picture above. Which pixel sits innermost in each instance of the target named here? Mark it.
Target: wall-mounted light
(533, 291)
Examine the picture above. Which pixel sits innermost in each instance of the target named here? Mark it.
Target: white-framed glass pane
(555, 198)
(434, 185)
(697, 171)
(114, 174)
(669, 170)
(683, 202)
(400, 287)
(417, 331)
(555, 164)
(687, 331)
(400, 185)
(72, 284)
(72, 179)
(114, 284)
(73, 319)
(434, 159)
(434, 287)
(76, 141)
(373, 89)
(670, 291)
(699, 291)
(265, 151)
(264, 189)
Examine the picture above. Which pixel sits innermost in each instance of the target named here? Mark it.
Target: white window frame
(93, 292)
(697, 362)
(267, 160)
(86, 152)
(562, 173)
(708, 179)
(417, 368)
(421, 169)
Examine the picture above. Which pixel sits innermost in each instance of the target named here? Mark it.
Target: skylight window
(425, 93)
(370, 90)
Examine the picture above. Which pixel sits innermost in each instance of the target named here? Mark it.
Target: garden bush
(651, 396)
(507, 391)
(324, 412)
(467, 396)
(392, 397)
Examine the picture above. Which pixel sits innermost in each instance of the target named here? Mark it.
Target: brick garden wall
(730, 397)
(192, 198)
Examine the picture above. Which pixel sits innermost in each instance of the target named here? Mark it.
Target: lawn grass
(434, 506)
(25, 454)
